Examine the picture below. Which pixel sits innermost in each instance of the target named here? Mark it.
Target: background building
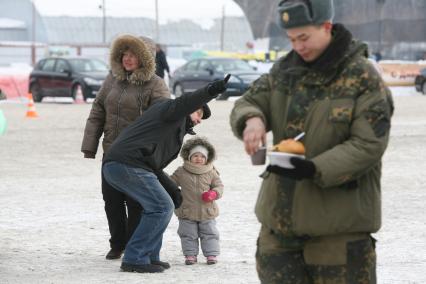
(396, 29)
(21, 26)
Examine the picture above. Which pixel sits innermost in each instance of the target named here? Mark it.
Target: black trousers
(123, 214)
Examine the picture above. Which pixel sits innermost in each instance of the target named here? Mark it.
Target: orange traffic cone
(31, 112)
(79, 99)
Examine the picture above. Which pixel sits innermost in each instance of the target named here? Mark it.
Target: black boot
(114, 254)
(141, 268)
(163, 264)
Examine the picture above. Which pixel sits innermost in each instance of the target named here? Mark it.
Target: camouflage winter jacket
(345, 109)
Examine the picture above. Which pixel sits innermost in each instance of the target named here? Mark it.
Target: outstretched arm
(188, 103)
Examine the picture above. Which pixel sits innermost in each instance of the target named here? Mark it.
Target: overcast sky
(169, 10)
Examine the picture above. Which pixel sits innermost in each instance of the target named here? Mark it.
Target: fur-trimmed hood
(191, 143)
(144, 54)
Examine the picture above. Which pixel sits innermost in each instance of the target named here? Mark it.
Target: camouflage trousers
(340, 259)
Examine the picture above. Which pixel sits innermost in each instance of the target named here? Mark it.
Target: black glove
(171, 187)
(89, 154)
(218, 87)
(302, 169)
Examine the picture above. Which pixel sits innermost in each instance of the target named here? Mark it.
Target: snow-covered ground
(53, 227)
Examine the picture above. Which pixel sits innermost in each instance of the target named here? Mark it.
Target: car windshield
(227, 65)
(88, 65)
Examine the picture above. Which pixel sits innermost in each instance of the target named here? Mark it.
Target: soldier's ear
(328, 26)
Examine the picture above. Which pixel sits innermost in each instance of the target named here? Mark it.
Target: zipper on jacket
(200, 211)
(118, 111)
(283, 125)
(140, 103)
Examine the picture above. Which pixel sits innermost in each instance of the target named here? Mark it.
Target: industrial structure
(395, 29)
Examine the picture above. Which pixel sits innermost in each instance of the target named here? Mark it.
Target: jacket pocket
(378, 115)
(341, 111)
(148, 150)
(144, 100)
(350, 207)
(149, 157)
(274, 204)
(185, 211)
(340, 116)
(212, 211)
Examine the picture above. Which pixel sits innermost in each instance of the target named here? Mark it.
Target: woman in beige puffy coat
(201, 186)
(130, 88)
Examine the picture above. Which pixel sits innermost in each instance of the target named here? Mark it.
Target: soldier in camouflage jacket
(317, 218)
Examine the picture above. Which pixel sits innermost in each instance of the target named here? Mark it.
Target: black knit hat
(206, 111)
(298, 13)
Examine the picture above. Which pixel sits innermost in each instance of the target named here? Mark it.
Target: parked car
(198, 72)
(62, 77)
(420, 81)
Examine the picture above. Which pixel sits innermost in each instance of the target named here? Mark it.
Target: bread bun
(290, 146)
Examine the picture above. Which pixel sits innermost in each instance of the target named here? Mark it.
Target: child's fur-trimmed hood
(191, 143)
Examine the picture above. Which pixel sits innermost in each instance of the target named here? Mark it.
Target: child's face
(198, 159)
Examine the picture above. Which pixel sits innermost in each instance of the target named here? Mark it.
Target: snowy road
(53, 228)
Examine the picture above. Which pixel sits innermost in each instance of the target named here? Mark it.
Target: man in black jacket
(161, 62)
(135, 162)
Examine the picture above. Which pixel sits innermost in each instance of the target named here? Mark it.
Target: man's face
(196, 116)
(310, 41)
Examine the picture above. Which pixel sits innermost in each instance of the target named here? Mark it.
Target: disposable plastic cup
(259, 158)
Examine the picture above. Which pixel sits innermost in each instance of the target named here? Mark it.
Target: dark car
(420, 81)
(62, 77)
(198, 72)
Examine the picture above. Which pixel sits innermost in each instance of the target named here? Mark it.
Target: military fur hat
(298, 13)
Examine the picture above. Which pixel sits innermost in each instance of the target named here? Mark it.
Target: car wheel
(424, 88)
(35, 91)
(75, 95)
(179, 91)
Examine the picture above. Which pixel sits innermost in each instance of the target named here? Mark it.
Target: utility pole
(380, 4)
(222, 30)
(33, 34)
(102, 6)
(157, 23)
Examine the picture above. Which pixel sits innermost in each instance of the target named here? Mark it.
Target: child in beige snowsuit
(201, 186)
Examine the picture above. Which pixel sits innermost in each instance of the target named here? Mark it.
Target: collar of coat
(335, 52)
(189, 126)
(141, 50)
(341, 48)
(197, 169)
